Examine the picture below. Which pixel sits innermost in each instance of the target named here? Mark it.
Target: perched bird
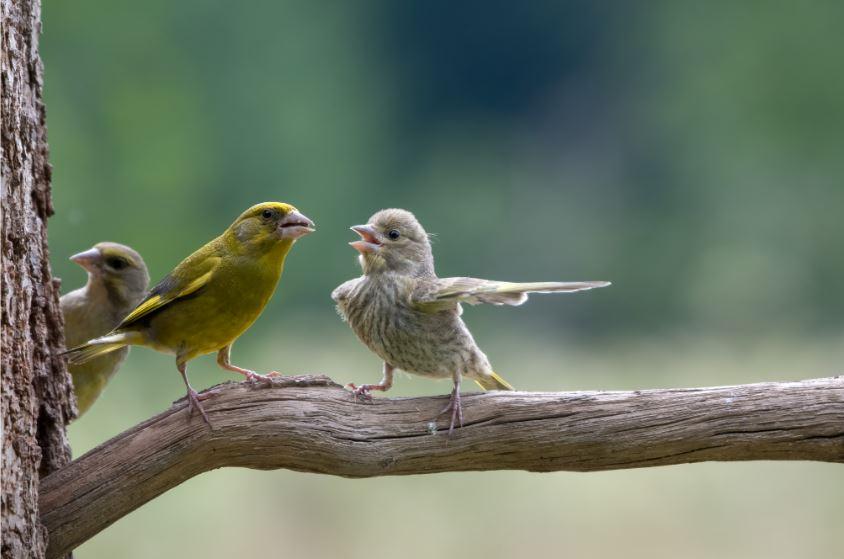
(411, 319)
(117, 281)
(212, 296)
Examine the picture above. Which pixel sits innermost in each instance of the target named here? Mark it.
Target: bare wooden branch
(311, 424)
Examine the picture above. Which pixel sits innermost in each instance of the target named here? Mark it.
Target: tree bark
(311, 424)
(36, 389)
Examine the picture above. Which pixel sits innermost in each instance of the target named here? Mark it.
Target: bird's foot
(194, 405)
(256, 378)
(454, 406)
(364, 391)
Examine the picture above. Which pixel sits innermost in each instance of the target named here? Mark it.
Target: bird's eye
(116, 263)
(266, 214)
(393, 234)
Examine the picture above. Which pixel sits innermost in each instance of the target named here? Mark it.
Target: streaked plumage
(410, 318)
(213, 295)
(117, 281)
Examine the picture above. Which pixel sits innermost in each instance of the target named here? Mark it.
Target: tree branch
(311, 424)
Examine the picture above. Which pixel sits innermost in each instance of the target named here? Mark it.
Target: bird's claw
(256, 378)
(455, 407)
(364, 392)
(194, 405)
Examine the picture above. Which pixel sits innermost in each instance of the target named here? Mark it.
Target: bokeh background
(689, 152)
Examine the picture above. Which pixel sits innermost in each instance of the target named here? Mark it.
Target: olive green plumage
(117, 281)
(411, 318)
(213, 295)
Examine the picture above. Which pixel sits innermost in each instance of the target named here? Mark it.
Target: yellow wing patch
(169, 291)
(147, 306)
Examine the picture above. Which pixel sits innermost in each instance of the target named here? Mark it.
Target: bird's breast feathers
(384, 319)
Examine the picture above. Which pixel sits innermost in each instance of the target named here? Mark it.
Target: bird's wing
(74, 313)
(342, 290)
(445, 293)
(87, 314)
(188, 278)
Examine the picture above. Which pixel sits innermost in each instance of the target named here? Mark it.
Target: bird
(212, 297)
(411, 318)
(117, 282)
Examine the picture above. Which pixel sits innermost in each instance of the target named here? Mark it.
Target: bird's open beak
(368, 239)
(90, 260)
(295, 225)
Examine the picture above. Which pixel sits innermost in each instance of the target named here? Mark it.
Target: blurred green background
(691, 153)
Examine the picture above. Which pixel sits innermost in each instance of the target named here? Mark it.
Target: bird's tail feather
(493, 382)
(98, 346)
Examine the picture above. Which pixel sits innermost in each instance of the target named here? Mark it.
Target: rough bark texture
(36, 389)
(310, 424)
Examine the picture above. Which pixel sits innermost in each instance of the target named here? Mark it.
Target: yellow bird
(212, 296)
(117, 282)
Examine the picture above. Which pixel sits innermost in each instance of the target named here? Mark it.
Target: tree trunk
(37, 397)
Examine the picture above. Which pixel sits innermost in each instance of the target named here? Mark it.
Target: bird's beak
(90, 260)
(368, 239)
(295, 225)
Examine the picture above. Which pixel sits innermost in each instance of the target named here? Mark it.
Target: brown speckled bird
(411, 319)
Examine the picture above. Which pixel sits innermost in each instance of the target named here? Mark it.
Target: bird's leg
(224, 361)
(193, 397)
(454, 405)
(363, 391)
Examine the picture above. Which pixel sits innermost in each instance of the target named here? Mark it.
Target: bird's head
(265, 225)
(120, 269)
(394, 241)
